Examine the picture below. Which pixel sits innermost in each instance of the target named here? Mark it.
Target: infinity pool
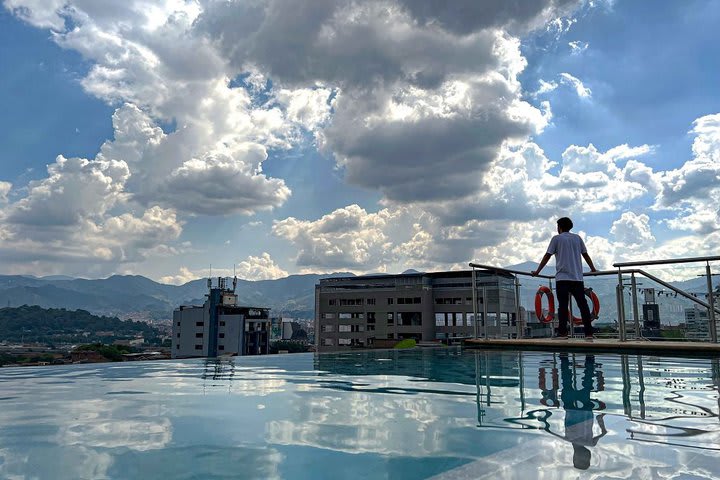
(437, 413)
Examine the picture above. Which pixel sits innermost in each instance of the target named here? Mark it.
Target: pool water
(431, 413)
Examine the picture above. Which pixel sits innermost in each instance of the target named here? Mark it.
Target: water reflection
(388, 414)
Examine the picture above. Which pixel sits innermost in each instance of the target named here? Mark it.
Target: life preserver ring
(543, 290)
(595, 307)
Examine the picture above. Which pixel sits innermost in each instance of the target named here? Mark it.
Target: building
(697, 323)
(220, 326)
(374, 310)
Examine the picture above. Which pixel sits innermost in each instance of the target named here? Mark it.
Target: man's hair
(565, 224)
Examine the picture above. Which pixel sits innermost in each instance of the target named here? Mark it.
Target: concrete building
(697, 323)
(375, 310)
(220, 326)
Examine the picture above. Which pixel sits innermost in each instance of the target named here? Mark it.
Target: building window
(390, 301)
(353, 302)
(199, 324)
(178, 324)
(222, 323)
(327, 328)
(468, 300)
(221, 347)
(370, 317)
(199, 335)
(328, 315)
(177, 347)
(390, 318)
(410, 319)
(343, 328)
(371, 328)
(178, 335)
(198, 347)
(357, 328)
(345, 316)
(470, 319)
(344, 341)
(371, 301)
(332, 302)
(449, 301)
(408, 300)
(440, 320)
(221, 335)
(327, 342)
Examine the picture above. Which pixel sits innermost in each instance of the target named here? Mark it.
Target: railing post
(518, 323)
(711, 301)
(475, 308)
(621, 306)
(484, 292)
(636, 319)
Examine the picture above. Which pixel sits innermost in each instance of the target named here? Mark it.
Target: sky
(161, 138)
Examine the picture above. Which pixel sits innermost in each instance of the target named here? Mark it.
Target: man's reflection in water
(579, 416)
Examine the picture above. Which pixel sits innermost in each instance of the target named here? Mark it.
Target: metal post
(474, 297)
(621, 306)
(636, 316)
(484, 298)
(518, 323)
(711, 301)
(555, 321)
(625, 369)
(498, 325)
(641, 383)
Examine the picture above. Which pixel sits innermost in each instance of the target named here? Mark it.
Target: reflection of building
(696, 323)
(220, 326)
(357, 311)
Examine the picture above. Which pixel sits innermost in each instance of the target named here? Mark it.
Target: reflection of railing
(622, 269)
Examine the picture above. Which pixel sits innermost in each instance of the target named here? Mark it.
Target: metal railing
(622, 269)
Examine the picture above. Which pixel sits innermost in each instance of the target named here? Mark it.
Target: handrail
(666, 261)
(549, 277)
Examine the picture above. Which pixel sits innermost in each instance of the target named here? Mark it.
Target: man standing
(568, 248)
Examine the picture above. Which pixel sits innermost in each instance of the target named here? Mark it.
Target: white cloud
(545, 87)
(5, 188)
(633, 230)
(183, 276)
(577, 47)
(574, 82)
(260, 268)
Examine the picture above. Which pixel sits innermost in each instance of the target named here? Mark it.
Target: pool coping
(675, 349)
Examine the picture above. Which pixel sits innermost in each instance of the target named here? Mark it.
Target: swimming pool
(433, 413)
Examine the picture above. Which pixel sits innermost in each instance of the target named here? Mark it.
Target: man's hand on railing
(534, 273)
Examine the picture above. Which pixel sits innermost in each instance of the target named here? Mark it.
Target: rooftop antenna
(234, 279)
(210, 277)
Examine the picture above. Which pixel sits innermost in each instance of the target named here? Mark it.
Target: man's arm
(543, 262)
(589, 262)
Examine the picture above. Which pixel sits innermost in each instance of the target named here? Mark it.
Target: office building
(220, 326)
(376, 310)
(697, 323)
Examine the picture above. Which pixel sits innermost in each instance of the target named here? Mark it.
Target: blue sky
(364, 138)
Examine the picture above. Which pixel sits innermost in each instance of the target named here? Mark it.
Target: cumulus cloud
(183, 276)
(633, 230)
(577, 47)
(5, 188)
(260, 268)
(575, 83)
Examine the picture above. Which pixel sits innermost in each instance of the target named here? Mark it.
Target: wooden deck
(676, 349)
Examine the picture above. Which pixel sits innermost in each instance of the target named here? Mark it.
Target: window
(449, 301)
(470, 319)
(177, 347)
(332, 301)
(327, 328)
(357, 328)
(370, 317)
(371, 328)
(390, 301)
(410, 319)
(440, 320)
(198, 347)
(221, 347)
(178, 335)
(328, 315)
(199, 324)
(344, 341)
(327, 342)
(390, 318)
(178, 324)
(371, 301)
(351, 302)
(408, 300)
(468, 300)
(222, 323)
(344, 328)
(199, 335)
(345, 316)
(222, 335)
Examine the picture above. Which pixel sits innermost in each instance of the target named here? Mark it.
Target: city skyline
(335, 136)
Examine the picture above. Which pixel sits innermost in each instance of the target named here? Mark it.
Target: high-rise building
(374, 310)
(220, 326)
(697, 323)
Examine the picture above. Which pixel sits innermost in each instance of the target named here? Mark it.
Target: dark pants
(564, 289)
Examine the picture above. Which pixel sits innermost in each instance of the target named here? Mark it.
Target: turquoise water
(439, 413)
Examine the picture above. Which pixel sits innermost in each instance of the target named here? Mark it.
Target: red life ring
(595, 307)
(538, 305)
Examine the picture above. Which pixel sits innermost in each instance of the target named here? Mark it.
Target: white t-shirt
(567, 248)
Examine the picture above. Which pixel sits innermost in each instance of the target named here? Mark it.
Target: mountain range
(140, 298)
